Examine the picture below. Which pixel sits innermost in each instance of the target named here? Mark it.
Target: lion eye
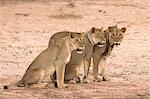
(120, 34)
(77, 40)
(113, 34)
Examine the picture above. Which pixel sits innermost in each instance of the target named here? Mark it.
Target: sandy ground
(25, 29)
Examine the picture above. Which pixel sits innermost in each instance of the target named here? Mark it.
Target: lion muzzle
(101, 44)
(117, 43)
(79, 50)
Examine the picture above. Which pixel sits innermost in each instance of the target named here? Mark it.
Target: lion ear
(105, 33)
(102, 29)
(123, 29)
(93, 29)
(71, 35)
(82, 35)
(110, 29)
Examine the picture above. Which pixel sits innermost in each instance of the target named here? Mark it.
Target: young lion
(114, 37)
(91, 38)
(54, 58)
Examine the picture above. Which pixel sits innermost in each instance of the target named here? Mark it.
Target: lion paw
(63, 86)
(71, 82)
(106, 78)
(97, 80)
(86, 80)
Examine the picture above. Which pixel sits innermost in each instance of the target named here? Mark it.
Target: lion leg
(60, 72)
(87, 63)
(104, 69)
(76, 79)
(31, 77)
(70, 71)
(96, 62)
(53, 77)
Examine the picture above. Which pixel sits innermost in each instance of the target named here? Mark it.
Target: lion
(113, 38)
(54, 58)
(92, 37)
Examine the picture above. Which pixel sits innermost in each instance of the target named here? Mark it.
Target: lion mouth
(79, 50)
(100, 44)
(117, 43)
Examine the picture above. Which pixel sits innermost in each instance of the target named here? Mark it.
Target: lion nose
(100, 43)
(79, 49)
(82, 46)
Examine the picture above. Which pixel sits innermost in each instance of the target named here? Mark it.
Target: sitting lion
(114, 37)
(54, 58)
(92, 37)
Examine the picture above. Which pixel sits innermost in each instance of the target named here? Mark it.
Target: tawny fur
(113, 38)
(54, 58)
(91, 38)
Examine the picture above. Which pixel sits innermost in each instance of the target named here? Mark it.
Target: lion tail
(17, 84)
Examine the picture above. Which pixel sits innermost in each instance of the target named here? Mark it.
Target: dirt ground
(27, 25)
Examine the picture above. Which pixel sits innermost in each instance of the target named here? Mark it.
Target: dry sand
(27, 25)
